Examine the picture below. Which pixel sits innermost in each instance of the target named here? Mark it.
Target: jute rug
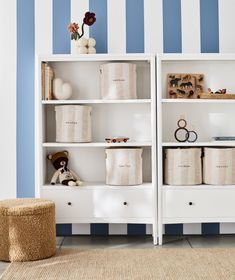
(123, 264)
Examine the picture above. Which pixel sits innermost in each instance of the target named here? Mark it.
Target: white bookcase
(200, 203)
(96, 202)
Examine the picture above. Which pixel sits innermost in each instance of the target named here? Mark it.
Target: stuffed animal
(66, 176)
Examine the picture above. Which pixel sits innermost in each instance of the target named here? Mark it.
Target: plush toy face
(59, 159)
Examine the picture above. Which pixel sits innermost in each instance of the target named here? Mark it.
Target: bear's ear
(49, 157)
(66, 152)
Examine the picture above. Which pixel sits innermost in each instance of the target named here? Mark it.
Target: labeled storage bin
(73, 123)
(124, 166)
(118, 81)
(219, 166)
(183, 166)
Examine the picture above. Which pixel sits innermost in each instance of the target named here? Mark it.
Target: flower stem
(80, 36)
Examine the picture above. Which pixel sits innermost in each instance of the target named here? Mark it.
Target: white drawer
(101, 203)
(212, 203)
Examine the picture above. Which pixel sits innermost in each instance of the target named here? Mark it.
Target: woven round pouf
(27, 229)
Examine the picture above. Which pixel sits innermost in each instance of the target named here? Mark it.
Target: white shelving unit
(95, 202)
(203, 203)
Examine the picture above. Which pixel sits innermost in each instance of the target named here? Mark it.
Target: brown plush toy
(66, 176)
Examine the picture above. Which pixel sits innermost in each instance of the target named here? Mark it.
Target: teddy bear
(66, 176)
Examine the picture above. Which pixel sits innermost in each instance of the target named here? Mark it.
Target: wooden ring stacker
(186, 134)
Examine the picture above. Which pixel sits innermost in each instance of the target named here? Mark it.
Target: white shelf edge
(197, 187)
(201, 144)
(97, 101)
(199, 101)
(95, 186)
(97, 144)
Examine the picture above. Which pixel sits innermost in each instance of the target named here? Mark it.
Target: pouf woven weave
(27, 229)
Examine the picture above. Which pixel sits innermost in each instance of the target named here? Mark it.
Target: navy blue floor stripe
(210, 228)
(174, 229)
(136, 229)
(99, 229)
(63, 229)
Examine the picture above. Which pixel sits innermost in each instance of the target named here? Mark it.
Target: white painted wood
(117, 229)
(98, 144)
(190, 16)
(8, 11)
(200, 101)
(81, 229)
(200, 144)
(192, 229)
(153, 21)
(78, 10)
(43, 27)
(226, 21)
(97, 101)
(227, 228)
(116, 26)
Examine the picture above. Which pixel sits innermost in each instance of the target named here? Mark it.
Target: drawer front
(101, 203)
(198, 203)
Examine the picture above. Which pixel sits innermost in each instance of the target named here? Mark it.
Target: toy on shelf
(119, 139)
(184, 85)
(218, 94)
(65, 175)
(182, 134)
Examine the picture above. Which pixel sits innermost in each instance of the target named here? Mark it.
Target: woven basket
(219, 166)
(183, 166)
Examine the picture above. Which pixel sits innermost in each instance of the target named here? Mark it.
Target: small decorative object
(61, 90)
(119, 139)
(73, 123)
(63, 173)
(118, 81)
(84, 46)
(182, 134)
(184, 85)
(218, 94)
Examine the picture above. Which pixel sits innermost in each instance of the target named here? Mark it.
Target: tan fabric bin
(73, 123)
(27, 229)
(219, 166)
(183, 166)
(124, 166)
(118, 81)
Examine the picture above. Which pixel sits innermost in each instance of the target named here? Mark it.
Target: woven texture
(27, 229)
(125, 264)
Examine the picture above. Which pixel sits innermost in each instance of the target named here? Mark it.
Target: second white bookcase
(96, 202)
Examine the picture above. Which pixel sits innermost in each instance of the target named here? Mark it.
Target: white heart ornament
(61, 90)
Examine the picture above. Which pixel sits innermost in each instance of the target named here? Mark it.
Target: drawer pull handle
(69, 203)
(124, 203)
(190, 203)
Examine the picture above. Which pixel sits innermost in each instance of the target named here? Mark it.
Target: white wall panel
(190, 13)
(8, 98)
(80, 229)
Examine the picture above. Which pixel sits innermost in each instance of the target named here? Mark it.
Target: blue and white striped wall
(123, 26)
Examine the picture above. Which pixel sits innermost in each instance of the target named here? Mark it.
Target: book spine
(43, 80)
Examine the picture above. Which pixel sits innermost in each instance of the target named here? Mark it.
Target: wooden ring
(184, 123)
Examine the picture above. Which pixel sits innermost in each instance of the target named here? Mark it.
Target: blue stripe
(99, 229)
(209, 20)
(25, 98)
(210, 228)
(99, 29)
(172, 42)
(136, 229)
(61, 19)
(63, 229)
(174, 229)
(134, 26)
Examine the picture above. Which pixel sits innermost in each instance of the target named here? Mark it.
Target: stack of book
(47, 81)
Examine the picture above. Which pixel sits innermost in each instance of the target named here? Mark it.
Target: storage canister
(183, 166)
(124, 166)
(73, 123)
(219, 166)
(118, 81)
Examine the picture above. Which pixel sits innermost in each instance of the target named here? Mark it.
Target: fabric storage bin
(73, 123)
(219, 166)
(124, 166)
(183, 166)
(118, 81)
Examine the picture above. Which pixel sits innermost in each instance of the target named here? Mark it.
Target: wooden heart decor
(184, 85)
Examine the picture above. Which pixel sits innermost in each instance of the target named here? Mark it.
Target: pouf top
(25, 206)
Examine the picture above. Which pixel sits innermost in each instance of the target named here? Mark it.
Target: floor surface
(89, 242)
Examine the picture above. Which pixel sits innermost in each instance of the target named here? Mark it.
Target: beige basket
(219, 166)
(124, 166)
(183, 166)
(73, 123)
(118, 81)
